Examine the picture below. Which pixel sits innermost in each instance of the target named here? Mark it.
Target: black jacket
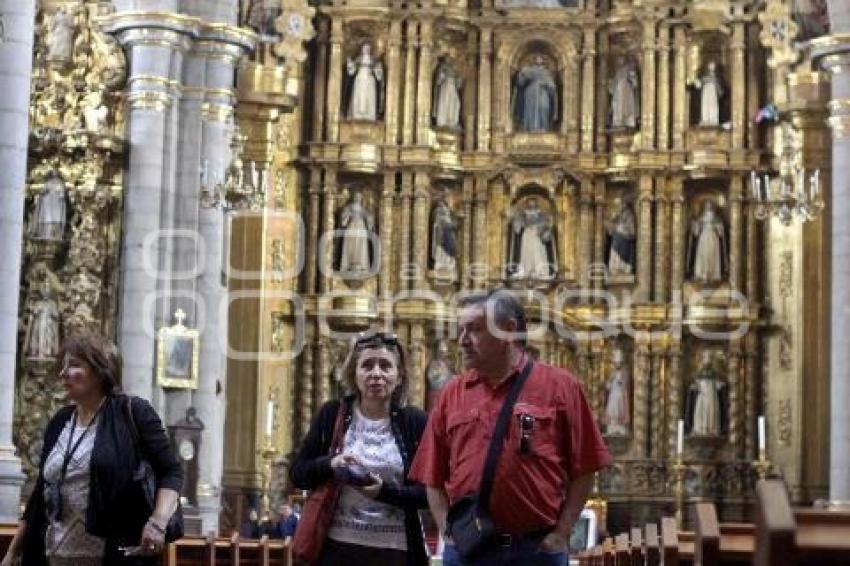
(312, 465)
(113, 509)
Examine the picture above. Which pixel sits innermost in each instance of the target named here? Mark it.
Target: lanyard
(69, 450)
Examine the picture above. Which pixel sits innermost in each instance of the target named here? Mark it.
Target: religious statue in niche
(532, 243)
(355, 254)
(812, 16)
(710, 86)
(438, 372)
(618, 401)
(60, 37)
(41, 339)
(622, 235)
(707, 401)
(443, 239)
(94, 111)
(624, 88)
(446, 105)
(260, 17)
(707, 255)
(365, 93)
(50, 216)
(535, 97)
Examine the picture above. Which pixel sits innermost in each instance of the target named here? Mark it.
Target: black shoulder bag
(145, 479)
(468, 522)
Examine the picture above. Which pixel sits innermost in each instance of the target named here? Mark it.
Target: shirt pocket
(463, 430)
(538, 425)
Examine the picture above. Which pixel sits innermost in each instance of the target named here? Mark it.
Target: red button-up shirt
(528, 489)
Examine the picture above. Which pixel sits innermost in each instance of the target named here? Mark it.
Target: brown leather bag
(318, 511)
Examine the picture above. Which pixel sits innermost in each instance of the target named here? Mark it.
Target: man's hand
(554, 542)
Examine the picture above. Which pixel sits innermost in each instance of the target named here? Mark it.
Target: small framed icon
(177, 355)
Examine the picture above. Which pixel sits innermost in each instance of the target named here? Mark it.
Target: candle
(680, 437)
(269, 418)
(762, 436)
(754, 184)
(765, 187)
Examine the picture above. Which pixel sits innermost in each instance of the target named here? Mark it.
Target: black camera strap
(71, 447)
(495, 448)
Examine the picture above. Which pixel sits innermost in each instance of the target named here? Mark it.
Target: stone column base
(11, 480)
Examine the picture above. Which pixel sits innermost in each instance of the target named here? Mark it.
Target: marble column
(155, 57)
(16, 61)
(839, 65)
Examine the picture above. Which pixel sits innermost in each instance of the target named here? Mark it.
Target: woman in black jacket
(86, 509)
(376, 519)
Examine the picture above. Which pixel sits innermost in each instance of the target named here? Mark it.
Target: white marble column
(15, 72)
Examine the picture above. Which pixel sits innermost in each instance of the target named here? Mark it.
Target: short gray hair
(505, 307)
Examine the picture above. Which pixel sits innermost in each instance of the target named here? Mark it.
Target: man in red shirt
(552, 446)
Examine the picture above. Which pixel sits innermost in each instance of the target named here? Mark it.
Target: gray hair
(505, 307)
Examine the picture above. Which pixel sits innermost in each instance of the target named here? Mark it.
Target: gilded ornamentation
(295, 25)
(778, 31)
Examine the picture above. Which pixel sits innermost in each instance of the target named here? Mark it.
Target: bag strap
(336, 436)
(495, 448)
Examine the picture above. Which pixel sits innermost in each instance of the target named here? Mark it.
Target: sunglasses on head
(378, 339)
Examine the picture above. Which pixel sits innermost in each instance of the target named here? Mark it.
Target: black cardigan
(312, 465)
(113, 510)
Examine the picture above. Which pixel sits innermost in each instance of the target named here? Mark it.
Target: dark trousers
(337, 553)
(525, 552)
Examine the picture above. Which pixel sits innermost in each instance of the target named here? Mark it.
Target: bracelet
(156, 526)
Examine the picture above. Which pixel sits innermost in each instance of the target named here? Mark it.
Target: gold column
(657, 403)
(386, 229)
(495, 237)
(680, 93)
(739, 86)
(409, 84)
(585, 230)
(313, 192)
(677, 240)
(306, 401)
(736, 227)
(664, 88)
(470, 90)
(674, 397)
(755, 59)
(335, 80)
(595, 378)
(602, 91)
(484, 89)
(752, 255)
(328, 226)
(421, 200)
(423, 104)
(648, 81)
(751, 394)
(662, 239)
(588, 84)
(466, 257)
(404, 260)
(416, 390)
(479, 252)
(393, 83)
(644, 242)
(640, 426)
(323, 377)
(319, 79)
(599, 230)
(734, 372)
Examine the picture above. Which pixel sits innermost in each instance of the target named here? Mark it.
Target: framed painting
(177, 357)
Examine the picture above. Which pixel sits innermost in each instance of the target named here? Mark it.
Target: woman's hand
(373, 489)
(153, 537)
(343, 460)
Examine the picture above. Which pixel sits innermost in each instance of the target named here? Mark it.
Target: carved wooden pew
(803, 537)
(233, 551)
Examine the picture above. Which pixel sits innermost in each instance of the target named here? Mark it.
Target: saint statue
(438, 372)
(622, 235)
(532, 243)
(618, 404)
(706, 402)
(445, 106)
(60, 38)
(711, 91)
(707, 246)
(50, 206)
(624, 88)
(443, 238)
(94, 111)
(355, 249)
(535, 98)
(41, 340)
(366, 75)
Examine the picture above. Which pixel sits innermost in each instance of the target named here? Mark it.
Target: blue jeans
(522, 553)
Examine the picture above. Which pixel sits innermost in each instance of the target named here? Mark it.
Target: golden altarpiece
(593, 156)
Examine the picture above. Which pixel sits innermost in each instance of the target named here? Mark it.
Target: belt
(507, 539)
